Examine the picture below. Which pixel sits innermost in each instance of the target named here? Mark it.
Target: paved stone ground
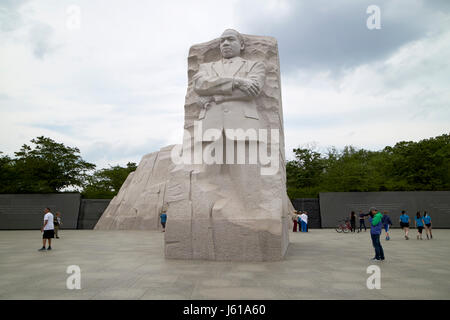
(130, 265)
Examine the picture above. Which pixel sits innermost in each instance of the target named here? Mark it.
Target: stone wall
(337, 205)
(90, 212)
(312, 206)
(26, 211)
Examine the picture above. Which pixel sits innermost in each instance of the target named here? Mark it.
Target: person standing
(304, 221)
(419, 225)
(300, 221)
(362, 221)
(427, 221)
(387, 223)
(163, 217)
(57, 223)
(48, 229)
(294, 220)
(353, 221)
(376, 226)
(404, 223)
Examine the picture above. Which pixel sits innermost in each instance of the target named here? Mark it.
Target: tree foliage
(407, 166)
(47, 166)
(106, 183)
(44, 167)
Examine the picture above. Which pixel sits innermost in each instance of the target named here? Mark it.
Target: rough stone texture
(139, 202)
(215, 212)
(230, 212)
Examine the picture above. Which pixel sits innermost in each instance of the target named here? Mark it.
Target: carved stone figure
(229, 210)
(228, 87)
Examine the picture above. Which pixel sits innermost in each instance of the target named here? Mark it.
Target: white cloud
(115, 87)
(373, 105)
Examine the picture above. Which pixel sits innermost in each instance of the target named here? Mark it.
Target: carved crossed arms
(219, 89)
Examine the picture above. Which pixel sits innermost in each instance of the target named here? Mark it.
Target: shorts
(420, 229)
(163, 224)
(48, 234)
(404, 224)
(428, 225)
(386, 227)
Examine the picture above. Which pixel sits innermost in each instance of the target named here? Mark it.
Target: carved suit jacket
(231, 108)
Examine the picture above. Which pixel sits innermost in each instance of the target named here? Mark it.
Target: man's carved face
(230, 45)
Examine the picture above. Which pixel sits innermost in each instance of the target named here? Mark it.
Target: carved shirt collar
(231, 60)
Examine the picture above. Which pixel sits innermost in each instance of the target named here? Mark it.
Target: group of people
(421, 222)
(386, 222)
(50, 228)
(300, 219)
(379, 221)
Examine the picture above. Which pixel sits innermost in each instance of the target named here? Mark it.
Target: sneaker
(42, 249)
(406, 237)
(57, 237)
(374, 259)
(49, 248)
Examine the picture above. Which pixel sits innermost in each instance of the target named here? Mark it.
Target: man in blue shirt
(163, 217)
(387, 223)
(376, 226)
(404, 223)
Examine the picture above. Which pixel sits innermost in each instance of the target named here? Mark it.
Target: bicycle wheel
(346, 230)
(339, 229)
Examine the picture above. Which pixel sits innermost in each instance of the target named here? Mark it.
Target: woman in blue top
(419, 225)
(427, 221)
(404, 223)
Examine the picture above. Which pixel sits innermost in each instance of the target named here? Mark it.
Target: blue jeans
(362, 223)
(379, 253)
(304, 226)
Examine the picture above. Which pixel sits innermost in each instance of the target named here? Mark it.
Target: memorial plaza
(320, 264)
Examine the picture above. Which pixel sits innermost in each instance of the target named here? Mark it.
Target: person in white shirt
(48, 229)
(304, 218)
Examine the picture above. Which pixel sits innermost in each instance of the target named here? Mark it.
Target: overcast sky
(115, 86)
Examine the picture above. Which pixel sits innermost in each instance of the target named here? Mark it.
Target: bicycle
(344, 226)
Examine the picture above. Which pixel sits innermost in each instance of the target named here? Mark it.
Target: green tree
(106, 183)
(408, 166)
(46, 167)
(423, 165)
(304, 173)
(7, 174)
